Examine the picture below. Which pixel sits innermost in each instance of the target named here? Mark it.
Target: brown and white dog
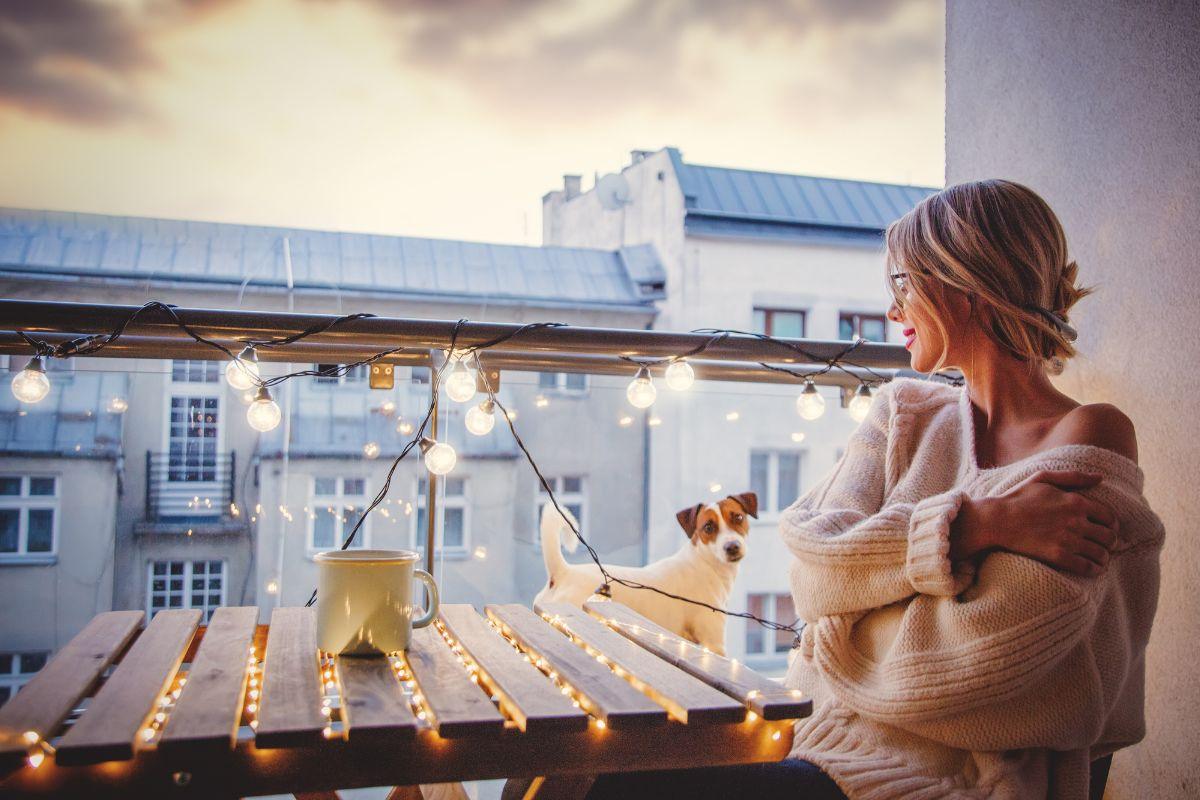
(702, 569)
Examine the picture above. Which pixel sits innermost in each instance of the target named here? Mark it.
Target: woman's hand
(1044, 517)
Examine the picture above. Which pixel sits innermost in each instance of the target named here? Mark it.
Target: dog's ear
(748, 501)
(687, 519)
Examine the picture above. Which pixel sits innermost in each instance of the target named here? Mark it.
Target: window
(872, 327)
(337, 504)
(784, 323)
(420, 375)
(777, 607)
(455, 521)
(571, 495)
(186, 584)
(574, 382)
(329, 376)
(193, 439)
(28, 515)
(16, 669)
(775, 478)
(192, 371)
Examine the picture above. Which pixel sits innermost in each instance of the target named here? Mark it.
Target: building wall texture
(1095, 105)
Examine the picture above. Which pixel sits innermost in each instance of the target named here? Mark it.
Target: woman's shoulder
(917, 395)
(1100, 425)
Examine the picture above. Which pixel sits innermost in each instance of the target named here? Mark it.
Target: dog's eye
(709, 527)
(737, 517)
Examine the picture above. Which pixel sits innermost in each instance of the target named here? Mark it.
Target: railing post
(431, 480)
(231, 499)
(149, 483)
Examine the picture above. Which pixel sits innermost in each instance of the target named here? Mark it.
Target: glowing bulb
(810, 405)
(680, 376)
(263, 414)
(117, 405)
(272, 587)
(798, 436)
(31, 737)
(439, 456)
(641, 391)
(625, 421)
(481, 552)
(404, 427)
(460, 386)
(714, 487)
(860, 404)
(35, 759)
(371, 450)
(481, 418)
(31, 384)
(242, 372)
(541, 401)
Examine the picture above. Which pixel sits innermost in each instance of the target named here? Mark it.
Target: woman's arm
(851, 555)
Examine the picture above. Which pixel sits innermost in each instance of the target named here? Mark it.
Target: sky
(447, 118)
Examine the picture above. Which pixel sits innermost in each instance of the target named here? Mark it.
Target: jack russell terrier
(702, 569)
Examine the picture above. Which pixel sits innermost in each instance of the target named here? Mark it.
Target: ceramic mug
(365, 600)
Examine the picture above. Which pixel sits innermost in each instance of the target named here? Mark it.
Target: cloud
(82, 60)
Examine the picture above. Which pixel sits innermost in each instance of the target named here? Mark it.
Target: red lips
(910, 336)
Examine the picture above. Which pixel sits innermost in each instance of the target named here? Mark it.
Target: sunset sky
(446, 118)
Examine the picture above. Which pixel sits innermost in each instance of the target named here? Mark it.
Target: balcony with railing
(193, 492)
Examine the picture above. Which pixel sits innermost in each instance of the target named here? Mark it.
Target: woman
(979, 573)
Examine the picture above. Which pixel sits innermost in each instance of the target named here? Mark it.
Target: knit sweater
(931, 679)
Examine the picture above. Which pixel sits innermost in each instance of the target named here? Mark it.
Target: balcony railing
(184, 488)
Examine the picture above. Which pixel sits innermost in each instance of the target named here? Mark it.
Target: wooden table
(237, 709)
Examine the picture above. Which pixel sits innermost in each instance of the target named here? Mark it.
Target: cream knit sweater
(932, 680)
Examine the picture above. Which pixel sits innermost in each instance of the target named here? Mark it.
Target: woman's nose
(894, 313)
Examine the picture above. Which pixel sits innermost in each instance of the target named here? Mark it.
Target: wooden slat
(373, 705)
(289, 711)
(459, 707)
(603, 694)
(210, 704)
(525, 693)
(762, 695)
(107, 730)
(687, 698)
(44, 702)
(559, 787)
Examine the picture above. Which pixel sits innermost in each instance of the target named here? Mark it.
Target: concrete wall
(1095, 106)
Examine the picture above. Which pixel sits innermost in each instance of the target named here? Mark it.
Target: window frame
(771, 647)
(769, 313)
(26, 502)
(188, 575)
(856, 319)
(358, 376)
(445, 501)
(768, 507)
(14, 679)
(560, 386)
(565, 498)
(191, 363)
(362, 541)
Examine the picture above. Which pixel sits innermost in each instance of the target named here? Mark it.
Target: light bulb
(810, 405)
(439, 456)
(860, 404)
(242, 372)
(31, 385)
(263, 414)
(371, 450)
(404, 427)
(481, 418)
(460, 385)
(117, 405)
(680, 376)
(641, 391)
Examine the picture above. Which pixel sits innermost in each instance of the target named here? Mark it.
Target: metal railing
(189, 488)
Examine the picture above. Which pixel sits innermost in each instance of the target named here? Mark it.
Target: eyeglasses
(900, 281)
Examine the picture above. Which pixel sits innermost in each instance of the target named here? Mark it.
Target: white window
(16, 669)
(335, 506)
(775, 478)
(329, 374)
(455, 531)
(186, 584)
(775, 607)
(571, 493)
(192, 371)
(28, 516)
(565, 382)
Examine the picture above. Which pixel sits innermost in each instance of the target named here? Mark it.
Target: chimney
(638, 155)
(571, 185)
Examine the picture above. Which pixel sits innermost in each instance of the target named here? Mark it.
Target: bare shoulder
(1100, 425)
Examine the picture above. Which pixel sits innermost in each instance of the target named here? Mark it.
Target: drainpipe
(646, 482)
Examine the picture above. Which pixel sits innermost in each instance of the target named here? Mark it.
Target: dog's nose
(733, 549)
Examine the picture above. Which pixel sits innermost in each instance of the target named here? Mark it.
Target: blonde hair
(1001, 244)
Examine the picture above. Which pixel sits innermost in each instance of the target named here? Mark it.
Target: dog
(703, 569)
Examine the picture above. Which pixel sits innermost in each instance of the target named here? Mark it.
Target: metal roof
(725, 200)
(71, 421)
(88, 246)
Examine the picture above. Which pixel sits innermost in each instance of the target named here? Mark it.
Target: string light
(810, 404)
(625, 421)
(263, 414)
(439, 456)
(860, 404)
(371, 450)
(404, 427)
(680, 376)
(798, 436)
(242, 372)
(31, 385)
(641, 391)
(481, 418)
(541, 401)
(116, 405)
(460, 385)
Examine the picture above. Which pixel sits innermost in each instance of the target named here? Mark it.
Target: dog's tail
(554, 526)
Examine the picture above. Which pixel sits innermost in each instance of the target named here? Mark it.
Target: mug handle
(432, 592)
